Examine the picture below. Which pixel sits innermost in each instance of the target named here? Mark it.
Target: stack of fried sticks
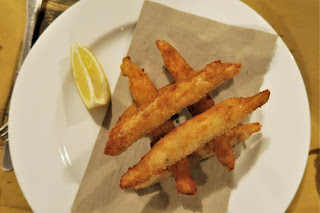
(213, 130)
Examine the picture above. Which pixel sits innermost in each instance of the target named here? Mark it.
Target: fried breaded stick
(161, 131)
(143, 91)
(171, 100)
(140, 85)
(182, 175)
(128, 112)
(236, 135)
(174, 62)
(191, 136)
(181, 70)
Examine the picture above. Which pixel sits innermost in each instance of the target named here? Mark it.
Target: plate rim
(79, 5)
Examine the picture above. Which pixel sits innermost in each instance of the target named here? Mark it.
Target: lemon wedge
(91, 82)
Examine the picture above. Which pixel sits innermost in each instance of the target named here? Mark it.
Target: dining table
(295, 21)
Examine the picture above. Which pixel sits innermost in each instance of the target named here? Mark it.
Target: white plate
(52, 134)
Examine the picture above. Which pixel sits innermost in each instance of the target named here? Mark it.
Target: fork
(6, 160)
(32, 12)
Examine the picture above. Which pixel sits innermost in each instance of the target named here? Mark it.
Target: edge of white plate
(84, 2)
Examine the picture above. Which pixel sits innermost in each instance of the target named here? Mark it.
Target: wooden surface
(296, 21)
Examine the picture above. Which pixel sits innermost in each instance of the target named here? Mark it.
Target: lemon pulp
(89, 77)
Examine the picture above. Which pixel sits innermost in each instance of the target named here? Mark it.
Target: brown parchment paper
(200, 41)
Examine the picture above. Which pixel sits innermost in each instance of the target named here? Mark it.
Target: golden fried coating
(236, 135)
(182, 175)
(224, 153)
(180, 70)
(140, 85)
(202, 105)
(191, 136)
(143, 91)
(161, 131)
(128, 112)
(171, 100)
(174, 62)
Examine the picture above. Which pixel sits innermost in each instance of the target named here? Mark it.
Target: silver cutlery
(32, 12)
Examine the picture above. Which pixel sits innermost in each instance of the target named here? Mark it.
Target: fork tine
(5, 133)
(4, 126)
